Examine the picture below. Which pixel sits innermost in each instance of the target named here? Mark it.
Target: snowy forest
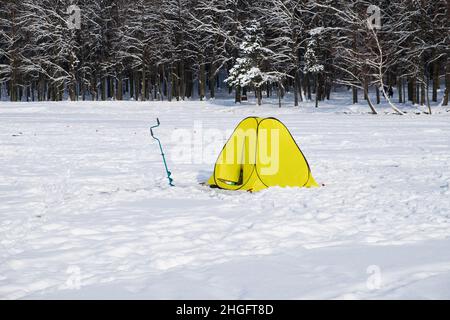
(224, 149)
(188, 49)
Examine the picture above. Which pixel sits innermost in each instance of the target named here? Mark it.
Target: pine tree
(249, 69)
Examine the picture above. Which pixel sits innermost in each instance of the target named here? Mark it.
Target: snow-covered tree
(10, 46)
(313, 64)
(164, 49)
(287, 21)
(250, 68)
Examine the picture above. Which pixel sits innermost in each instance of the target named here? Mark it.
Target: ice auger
(162, 153)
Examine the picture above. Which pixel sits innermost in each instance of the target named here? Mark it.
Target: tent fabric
(261, 153)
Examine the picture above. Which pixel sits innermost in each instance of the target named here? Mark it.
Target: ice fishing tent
(261, 153)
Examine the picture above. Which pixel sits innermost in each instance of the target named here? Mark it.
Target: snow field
(86, 210)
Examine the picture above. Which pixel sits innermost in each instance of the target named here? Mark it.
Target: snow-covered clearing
(85, 210)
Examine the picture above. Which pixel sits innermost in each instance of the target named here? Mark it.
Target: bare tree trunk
(103, 89)
(238, 95)
(144, 85)
(410, 90)
(131, 81)
(33, 91)
(163, 83)
(182, 81)
(422, 85)
(212, 81)
(280, 93)
(259, 95)
(417, 91)
(176, 88)
(308, 86)
(40, 89)
(328, 90)
(300, 84)
(366, 88)
(381, 76)
(377, 90)
(317, 91)
(355, 95)
(447, 82)
(428, 95)
(72, 79)
(297, 88)
(119, 94)
(93, 88)
(202, 82)
(83, 87)
(171, 82)
(404, 91)
(366, 94)
(436, 85)
(137, 89)
(14, 61)
(189, 83)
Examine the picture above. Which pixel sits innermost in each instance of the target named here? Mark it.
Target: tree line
(181, 49)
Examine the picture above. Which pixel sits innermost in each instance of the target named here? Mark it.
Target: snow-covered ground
(86, 212)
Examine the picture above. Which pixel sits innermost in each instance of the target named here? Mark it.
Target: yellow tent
(261, 153)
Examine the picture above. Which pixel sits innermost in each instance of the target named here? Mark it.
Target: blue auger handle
(169, 174)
